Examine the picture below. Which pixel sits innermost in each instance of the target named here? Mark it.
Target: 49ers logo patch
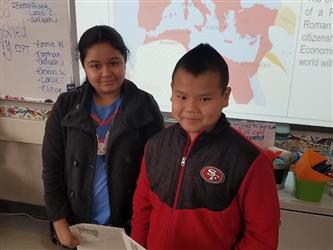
(212, 174)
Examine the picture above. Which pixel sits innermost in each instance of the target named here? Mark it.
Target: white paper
(94, 237)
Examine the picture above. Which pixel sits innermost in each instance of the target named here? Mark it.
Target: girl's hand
(65, 236)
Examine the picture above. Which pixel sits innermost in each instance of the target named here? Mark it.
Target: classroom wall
(20, 168)
(21, 135)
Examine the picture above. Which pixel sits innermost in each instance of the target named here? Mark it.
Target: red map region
(150, 16)
(222, 8)
(246, 24)
(150, 13)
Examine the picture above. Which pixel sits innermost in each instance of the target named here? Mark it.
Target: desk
(305, 225)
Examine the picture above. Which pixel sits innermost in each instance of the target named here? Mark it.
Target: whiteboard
(279, 52)
(37, 47)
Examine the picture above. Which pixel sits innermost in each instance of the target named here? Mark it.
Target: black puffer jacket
(69, 152)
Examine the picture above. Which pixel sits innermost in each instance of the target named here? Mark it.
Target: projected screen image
(279, 52)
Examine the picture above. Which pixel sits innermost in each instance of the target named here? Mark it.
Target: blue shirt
(103, 116)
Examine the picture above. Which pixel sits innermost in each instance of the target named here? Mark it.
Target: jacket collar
(134, 110)
(79, 115)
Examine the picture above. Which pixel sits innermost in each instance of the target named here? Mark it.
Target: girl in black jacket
(94, 140)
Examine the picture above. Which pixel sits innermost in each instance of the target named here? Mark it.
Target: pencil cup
(308, 190)
(280, 173)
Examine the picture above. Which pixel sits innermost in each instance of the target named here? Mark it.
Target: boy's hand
(65, 236)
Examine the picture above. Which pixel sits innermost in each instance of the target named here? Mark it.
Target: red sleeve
(141, 208)
(259, 204)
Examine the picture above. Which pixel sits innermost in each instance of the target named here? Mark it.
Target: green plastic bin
(308, 190)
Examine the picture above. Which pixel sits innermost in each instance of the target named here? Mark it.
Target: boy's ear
(226, 95)
(227, 90)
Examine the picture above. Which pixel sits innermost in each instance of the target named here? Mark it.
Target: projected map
(279, 52)
(231, 28)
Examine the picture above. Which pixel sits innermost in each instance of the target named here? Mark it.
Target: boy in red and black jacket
(203, 185)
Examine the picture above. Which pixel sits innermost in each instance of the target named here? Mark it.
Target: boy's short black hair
(101, 34)
(201, 59)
